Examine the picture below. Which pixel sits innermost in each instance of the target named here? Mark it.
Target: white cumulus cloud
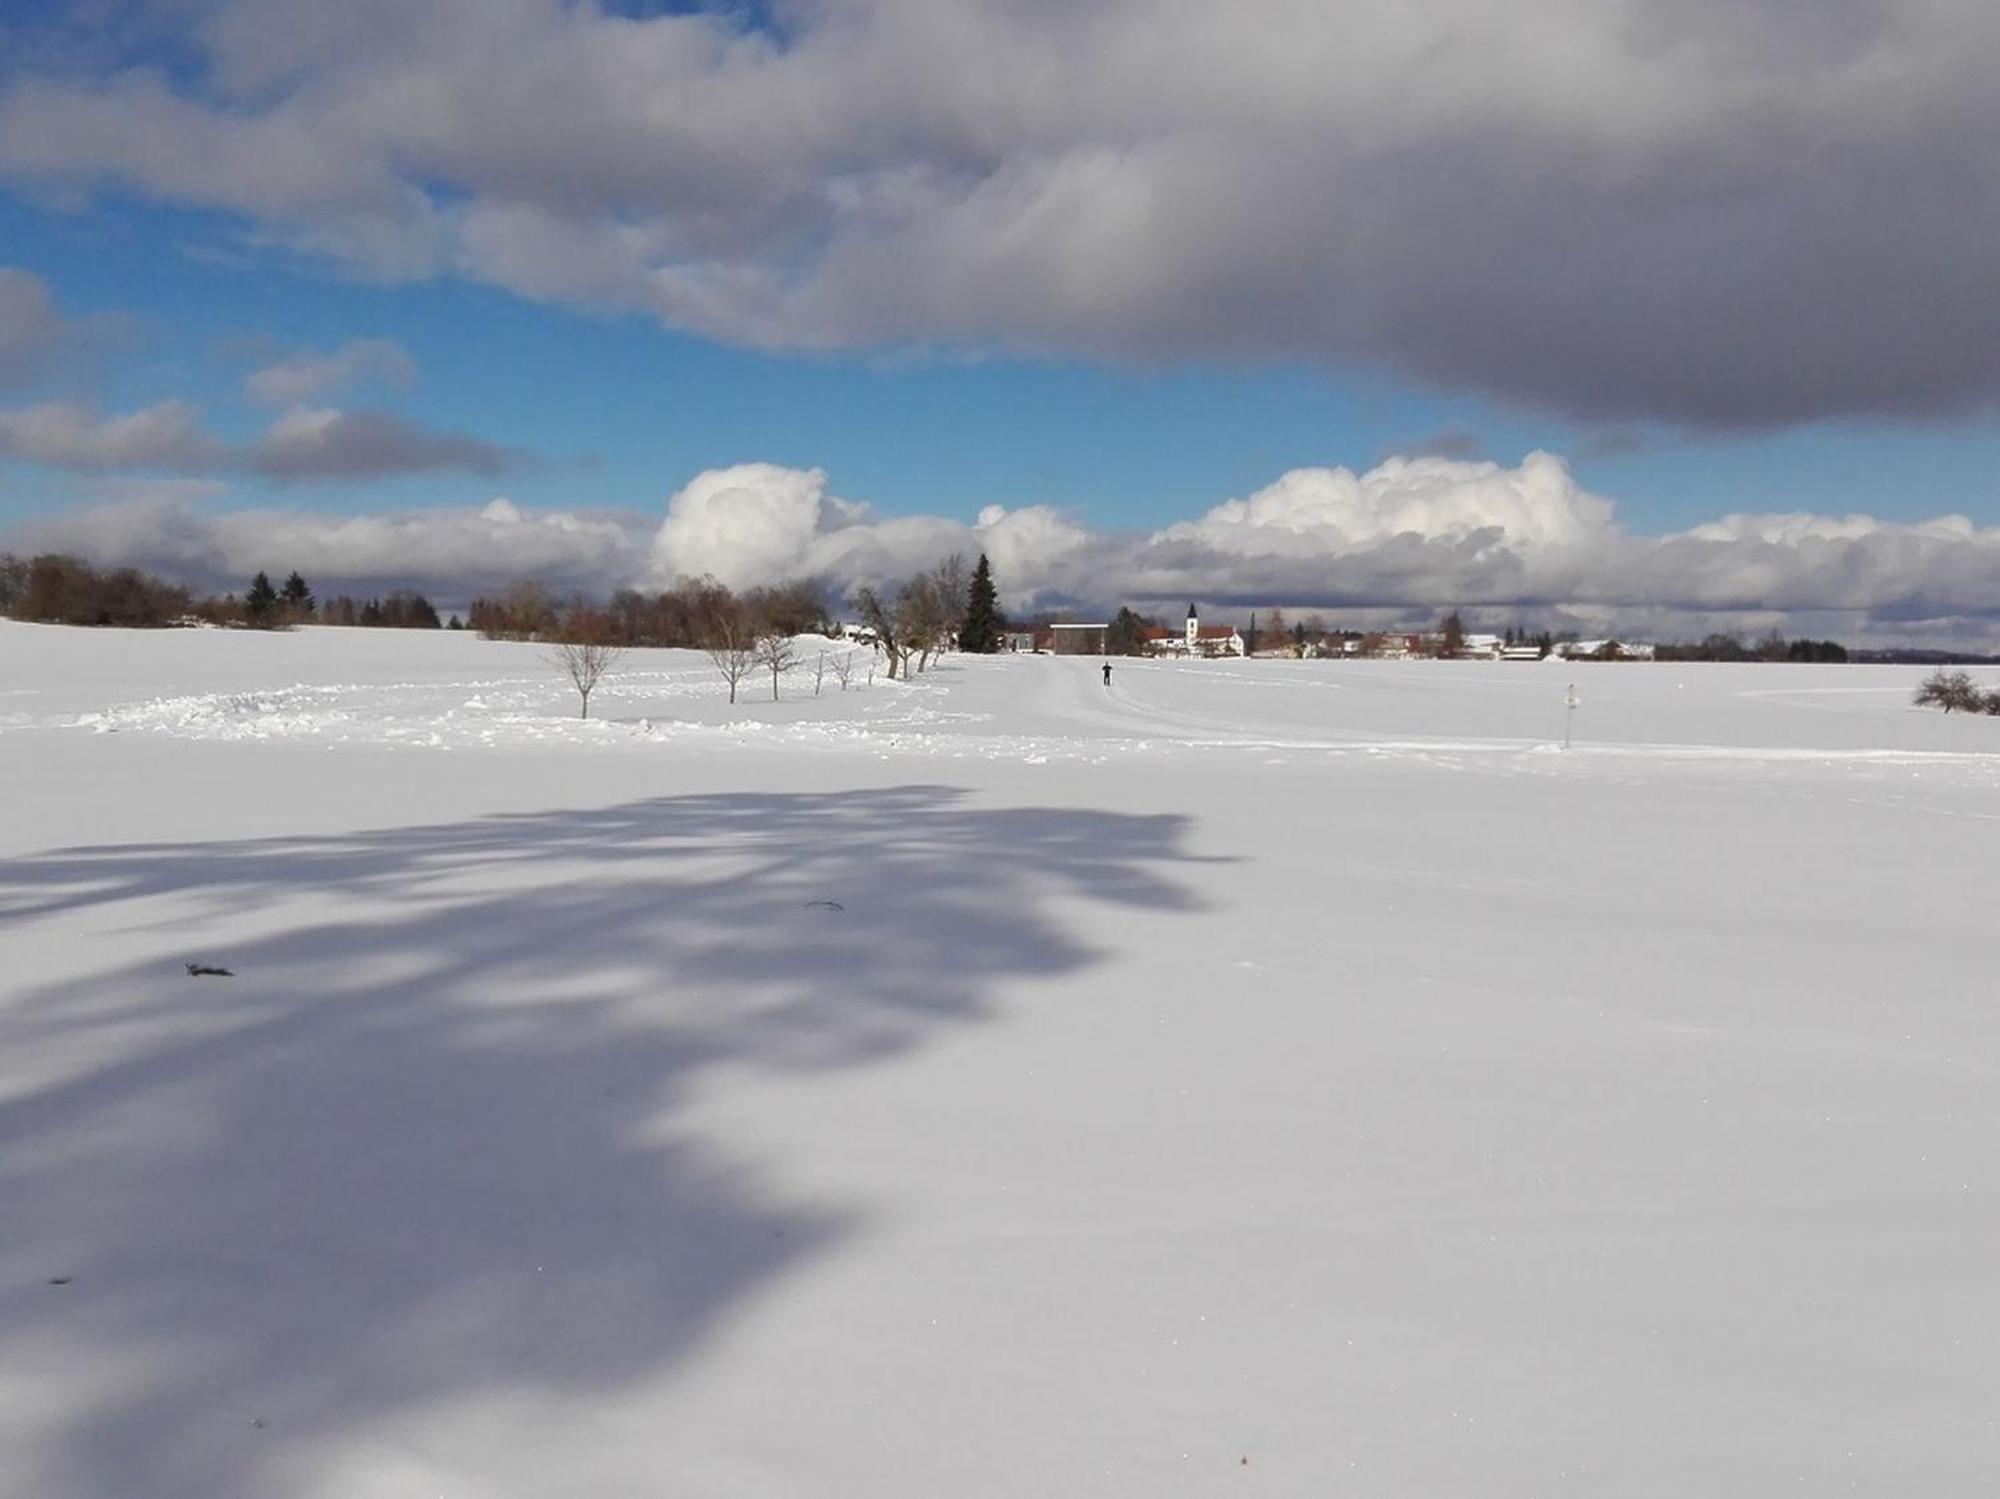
(1402, 541)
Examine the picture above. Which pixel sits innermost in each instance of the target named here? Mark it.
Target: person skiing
(1107, 674)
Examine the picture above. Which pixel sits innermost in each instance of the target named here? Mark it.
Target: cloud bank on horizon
(1727, 215)
(1404, 540)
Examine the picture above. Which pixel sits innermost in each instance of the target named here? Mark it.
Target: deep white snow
(1258, 1079)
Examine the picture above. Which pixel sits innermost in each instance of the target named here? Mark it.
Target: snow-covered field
(1258, 1078)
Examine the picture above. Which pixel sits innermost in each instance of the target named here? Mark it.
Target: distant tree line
(948, 606)
(395, 611)
(1772, 647)
(57, 589)
(690, 615)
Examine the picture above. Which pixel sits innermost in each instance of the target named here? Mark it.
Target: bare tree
(934, 605)
(731, 642)
(952, 580)
(925, 616)
(843, 669)
(886, 620)
(529, 609)
(1949, 690)
(819, 673)
(929, 608)
(587, 656)
(777, 653)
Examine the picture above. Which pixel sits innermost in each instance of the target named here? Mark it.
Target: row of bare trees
(737, 656)
(918, 620)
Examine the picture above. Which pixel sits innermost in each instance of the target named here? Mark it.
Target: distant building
(1018, 640)
(1079, 640)
(1393, 647)
(1605, 650)
(1195, 639)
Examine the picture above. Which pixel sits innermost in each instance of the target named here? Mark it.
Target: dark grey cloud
(307, 444)
(1449, 442)
(1740, 214)
(450, 553)
(302, 445)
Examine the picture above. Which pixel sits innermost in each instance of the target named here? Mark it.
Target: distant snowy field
(1260, 1078)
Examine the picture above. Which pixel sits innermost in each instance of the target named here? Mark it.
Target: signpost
(1570, 700)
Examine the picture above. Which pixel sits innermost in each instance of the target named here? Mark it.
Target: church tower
(1193, 628)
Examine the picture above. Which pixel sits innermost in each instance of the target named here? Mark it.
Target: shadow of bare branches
(426, 1144)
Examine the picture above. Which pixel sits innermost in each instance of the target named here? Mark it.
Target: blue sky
(625, 410)
(973, 255)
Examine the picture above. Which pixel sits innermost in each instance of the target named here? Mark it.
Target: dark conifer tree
(297, 598)
(260, 604)
(1127, 635)
(984, 624)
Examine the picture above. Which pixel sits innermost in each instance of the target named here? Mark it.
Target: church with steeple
(1197, 639)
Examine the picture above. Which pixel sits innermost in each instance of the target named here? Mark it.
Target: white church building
(1196, 639)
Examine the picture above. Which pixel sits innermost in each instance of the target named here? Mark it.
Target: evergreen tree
(1454, 635)
(1127, 635)
(297, 598)
(983, 625)
(260, 604)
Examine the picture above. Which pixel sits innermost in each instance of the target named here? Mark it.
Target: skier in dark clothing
(1107, 674)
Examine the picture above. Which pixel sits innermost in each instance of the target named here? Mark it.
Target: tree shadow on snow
(427, 1144)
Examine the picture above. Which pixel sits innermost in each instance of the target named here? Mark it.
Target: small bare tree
(843, 669)
(777, 653)
(587, 656)
(731, 642)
